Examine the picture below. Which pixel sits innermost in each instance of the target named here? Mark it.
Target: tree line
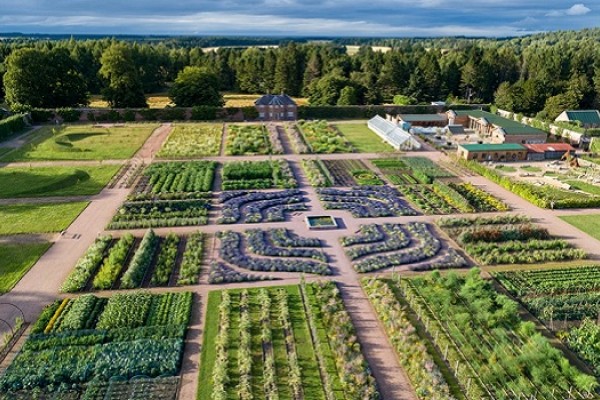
(539, 74)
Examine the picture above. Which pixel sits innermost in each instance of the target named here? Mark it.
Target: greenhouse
(397, 137)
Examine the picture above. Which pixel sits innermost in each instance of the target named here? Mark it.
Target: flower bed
(317, 173)
(239, 175)
(412, 246)
(351, 173)
(255, 207)
(237, 249)
(192, 140)
(366, 201)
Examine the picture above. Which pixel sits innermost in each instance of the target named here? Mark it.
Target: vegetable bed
(239, 175)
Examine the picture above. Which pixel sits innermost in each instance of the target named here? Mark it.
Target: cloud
(575, 10)
(294, 17)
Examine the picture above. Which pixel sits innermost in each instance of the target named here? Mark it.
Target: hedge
(12, 125)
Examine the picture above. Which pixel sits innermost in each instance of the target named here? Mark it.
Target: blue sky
(298, 17)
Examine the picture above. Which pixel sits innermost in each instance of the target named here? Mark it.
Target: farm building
(425, 120)
(492, 152)
(586, 118)
(496, 128)
(397, 137)
(280, 107)
(548, 151)
(456, 129)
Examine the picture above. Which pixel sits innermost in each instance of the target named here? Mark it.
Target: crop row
(161, 213)
(272, 343)
(511, 243)
(86, 339)
(176, 177)
(317, 173)
(155, 258)
(240, 175)
(192, 140)
(492, 353)
(247, 140)
(322, 137)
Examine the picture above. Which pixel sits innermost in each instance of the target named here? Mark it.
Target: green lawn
(363, 139)
(38, 218)
(15, 261)
(589, 224)
(54, 181)
(530, 168)
(83, 142)
(584, 186)
(505, 168)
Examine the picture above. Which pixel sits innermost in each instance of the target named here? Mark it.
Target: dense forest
(539, 74)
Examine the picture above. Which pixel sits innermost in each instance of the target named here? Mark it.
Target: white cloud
(575, 10)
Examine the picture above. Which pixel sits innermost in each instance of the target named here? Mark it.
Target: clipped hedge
(12, 125)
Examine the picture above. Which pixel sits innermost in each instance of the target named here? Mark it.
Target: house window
(261, 114)
(290, 114)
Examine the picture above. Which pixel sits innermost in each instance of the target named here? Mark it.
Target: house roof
(423, 117)
(591, 117)
(275, 100)
(456, 129)
(544, 147)
(509, 126)
(492, 147)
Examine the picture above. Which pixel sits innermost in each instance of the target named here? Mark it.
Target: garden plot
(241, 175)
(172, 180)
(254, 207)
(317, 173)
(366, 201)
(351, 173)
(411, 170)
(567, 299)
(492, 353)
(451, 198)
(508, 240)
(293, 342)
(413, 246)
(96, 340)
(247, 140)
(274, 250)
(128, 263)
(161, 213)
(323, 138)
(192, 140)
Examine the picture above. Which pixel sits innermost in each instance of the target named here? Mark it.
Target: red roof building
(547, 151)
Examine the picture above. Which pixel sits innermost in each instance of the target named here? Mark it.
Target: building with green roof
(492, 152)
(585, 118)
(495, 128)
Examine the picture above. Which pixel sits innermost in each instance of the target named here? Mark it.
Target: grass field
(38, 218)
(83, 142)
(584, 186)
(54, 181)
(15, 261)
(589, 224)
(363, 139)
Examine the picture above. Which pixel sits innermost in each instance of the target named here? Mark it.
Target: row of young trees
(546, 72)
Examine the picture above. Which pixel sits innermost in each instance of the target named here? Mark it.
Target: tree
(43, 78)
(196, 86)
(348, 96)
(125, 88)
(402, 100)
(288, 75)
(326, 91)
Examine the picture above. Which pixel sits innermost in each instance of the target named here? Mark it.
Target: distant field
(38, 218)
(363, 139)
(54, 181)
(162, 100)
(84, 142)
(589, 224)
(16, 260)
